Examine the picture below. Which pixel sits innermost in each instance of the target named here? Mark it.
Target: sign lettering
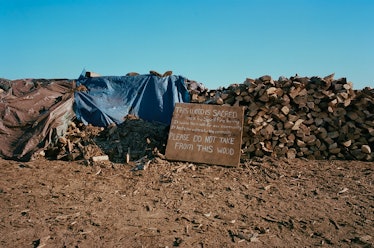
(205, 134)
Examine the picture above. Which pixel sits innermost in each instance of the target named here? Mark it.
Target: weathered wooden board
(205, 134)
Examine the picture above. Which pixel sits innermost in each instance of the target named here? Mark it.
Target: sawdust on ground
(263, 202)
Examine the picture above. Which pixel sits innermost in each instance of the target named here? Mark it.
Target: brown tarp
(33, 112)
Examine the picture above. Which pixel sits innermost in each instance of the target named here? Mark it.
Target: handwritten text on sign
(205, 134)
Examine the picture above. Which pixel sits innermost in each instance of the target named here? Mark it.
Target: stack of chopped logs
(315, 118)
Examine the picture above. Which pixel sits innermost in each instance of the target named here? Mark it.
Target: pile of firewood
(133, 139)
(315, 118)
(77, 143)
(129, 141)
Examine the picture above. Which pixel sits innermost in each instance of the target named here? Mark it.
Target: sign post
(205, 133)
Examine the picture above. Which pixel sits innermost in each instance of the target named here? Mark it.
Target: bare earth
(261, 203)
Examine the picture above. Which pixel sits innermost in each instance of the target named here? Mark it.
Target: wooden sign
(205, 133)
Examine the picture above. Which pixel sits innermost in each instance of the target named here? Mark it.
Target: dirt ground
(261, 203)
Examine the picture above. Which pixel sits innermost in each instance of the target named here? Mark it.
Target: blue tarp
(109, 99)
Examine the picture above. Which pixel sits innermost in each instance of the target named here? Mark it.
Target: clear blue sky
(216, 42)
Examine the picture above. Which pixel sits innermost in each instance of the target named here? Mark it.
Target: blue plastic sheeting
(109, 99)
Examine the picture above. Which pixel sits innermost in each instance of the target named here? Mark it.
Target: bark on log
(321, 118)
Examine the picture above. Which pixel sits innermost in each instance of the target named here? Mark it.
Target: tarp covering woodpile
(33, 112)
(109, 99)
